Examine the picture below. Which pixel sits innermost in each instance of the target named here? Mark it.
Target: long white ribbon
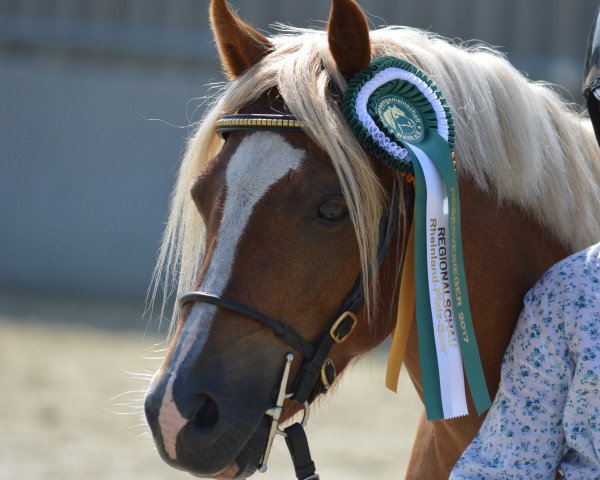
(452, 383)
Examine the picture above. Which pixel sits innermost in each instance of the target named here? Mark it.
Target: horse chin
(230, 472)
(246, 461)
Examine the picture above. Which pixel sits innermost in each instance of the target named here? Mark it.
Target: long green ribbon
(439, 152)
(427, 353)
(441, 155)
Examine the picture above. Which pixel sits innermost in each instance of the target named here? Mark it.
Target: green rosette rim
(405, 91)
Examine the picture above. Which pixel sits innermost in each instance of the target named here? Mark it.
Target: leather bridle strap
(297, 444)
(307, 386)
(282, 330)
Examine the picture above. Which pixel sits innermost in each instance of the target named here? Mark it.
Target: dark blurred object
(591, 76)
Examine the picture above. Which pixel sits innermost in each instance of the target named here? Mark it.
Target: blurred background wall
(96, 97)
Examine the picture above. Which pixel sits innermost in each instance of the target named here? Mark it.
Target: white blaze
(260, 161)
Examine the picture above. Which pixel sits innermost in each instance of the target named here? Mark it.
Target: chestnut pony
(285, 222)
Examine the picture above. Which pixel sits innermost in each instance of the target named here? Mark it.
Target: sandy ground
(70, 408)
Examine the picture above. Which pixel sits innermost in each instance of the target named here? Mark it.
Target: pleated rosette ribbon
(401, 117)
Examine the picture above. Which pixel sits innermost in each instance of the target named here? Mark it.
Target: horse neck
(506, 251)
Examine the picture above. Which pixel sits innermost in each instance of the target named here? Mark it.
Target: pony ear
(348, 35)
(240, 45)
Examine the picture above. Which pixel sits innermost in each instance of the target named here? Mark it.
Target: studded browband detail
(229, 123)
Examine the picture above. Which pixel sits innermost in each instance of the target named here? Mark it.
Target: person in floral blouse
(545, 419)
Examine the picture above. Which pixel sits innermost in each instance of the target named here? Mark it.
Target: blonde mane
(515, 138)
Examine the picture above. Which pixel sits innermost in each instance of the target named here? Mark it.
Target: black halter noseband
(317, 371)
(315, 355)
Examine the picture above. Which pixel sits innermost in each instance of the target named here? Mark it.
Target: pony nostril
(206, 414)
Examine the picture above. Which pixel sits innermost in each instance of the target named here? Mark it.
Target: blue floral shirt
(546, 415)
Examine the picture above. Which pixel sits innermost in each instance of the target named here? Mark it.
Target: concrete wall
(85, 171)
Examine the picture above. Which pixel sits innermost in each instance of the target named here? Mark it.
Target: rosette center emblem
(400, 118)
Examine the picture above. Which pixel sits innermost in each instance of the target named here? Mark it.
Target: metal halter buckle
(276, 411)
(595, 88)
(336, 337)
(324, 377)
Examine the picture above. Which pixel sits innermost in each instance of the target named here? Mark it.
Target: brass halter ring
(305, 415)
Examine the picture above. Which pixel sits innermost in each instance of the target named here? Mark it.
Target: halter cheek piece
(317, 371)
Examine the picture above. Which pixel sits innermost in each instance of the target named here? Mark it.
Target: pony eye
(333, 209)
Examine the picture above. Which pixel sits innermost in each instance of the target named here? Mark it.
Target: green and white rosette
(401, 117)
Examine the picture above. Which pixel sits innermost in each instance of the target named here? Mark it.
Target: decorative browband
(229, 123)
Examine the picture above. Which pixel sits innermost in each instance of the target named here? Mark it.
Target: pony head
(282, 236)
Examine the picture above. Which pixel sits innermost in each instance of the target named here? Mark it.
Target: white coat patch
(260, 161)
